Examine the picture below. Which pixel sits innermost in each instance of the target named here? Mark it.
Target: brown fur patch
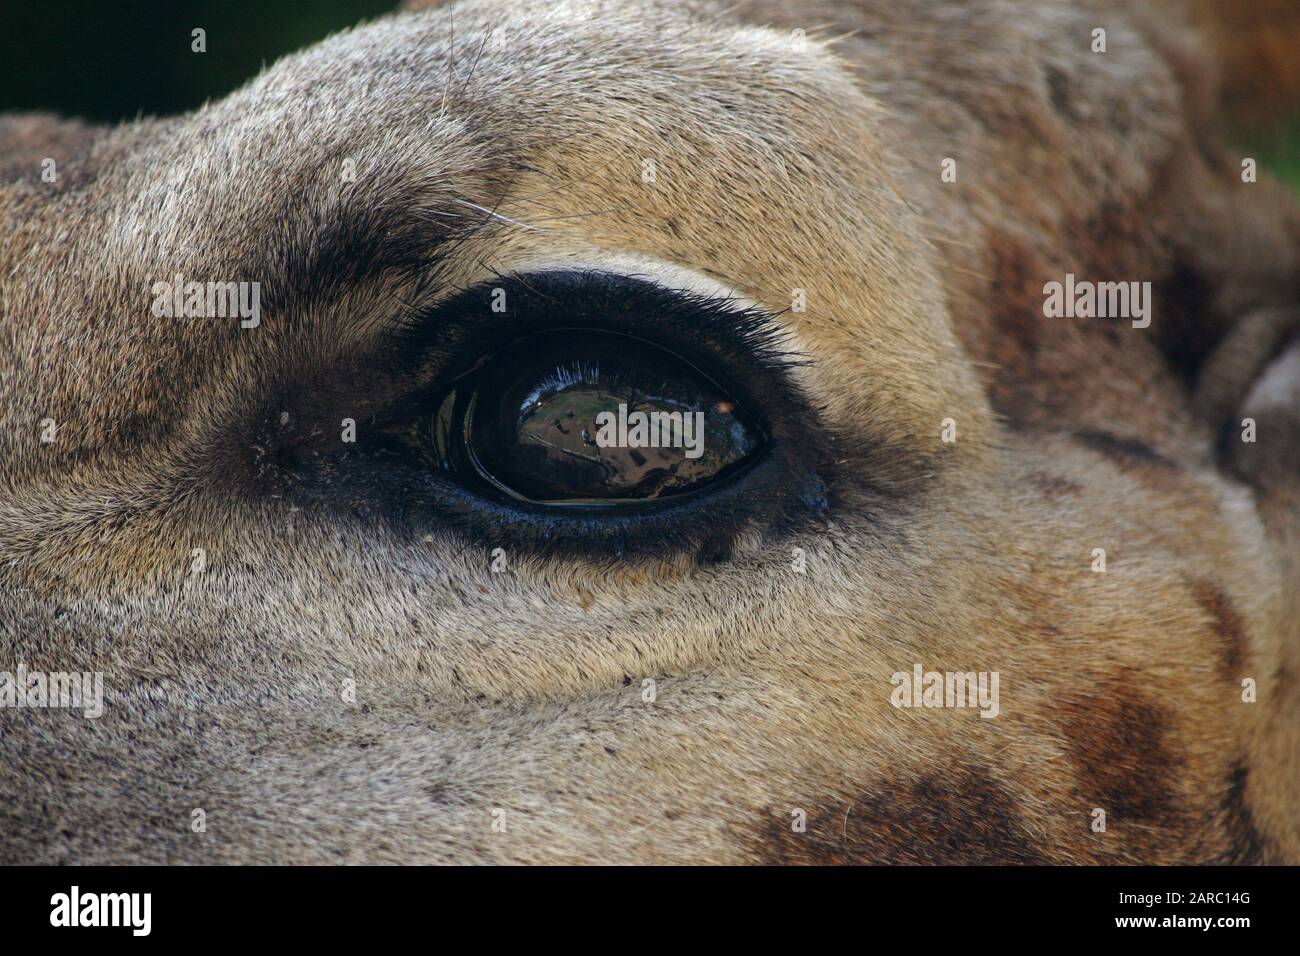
(1246, 844)
(964, 818)
(1129, 453)
(1055, 487)
(1015, 288)
(1229, 628)
(1118, 743)
(1015, 293)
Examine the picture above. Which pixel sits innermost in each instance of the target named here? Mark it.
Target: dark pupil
(592, 417)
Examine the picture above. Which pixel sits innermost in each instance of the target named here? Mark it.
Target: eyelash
(740, 348)
(465, 327)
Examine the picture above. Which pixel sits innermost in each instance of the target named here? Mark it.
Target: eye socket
(591, 418)
(468, 443)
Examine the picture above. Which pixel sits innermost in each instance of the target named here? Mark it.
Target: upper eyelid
(658, 272)
(756, 333)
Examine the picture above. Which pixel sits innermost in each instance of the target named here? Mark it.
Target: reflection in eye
(587, 417)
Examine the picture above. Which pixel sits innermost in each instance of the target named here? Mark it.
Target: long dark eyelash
(436, 339)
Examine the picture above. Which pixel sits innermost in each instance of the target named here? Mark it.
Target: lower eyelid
(761, 499)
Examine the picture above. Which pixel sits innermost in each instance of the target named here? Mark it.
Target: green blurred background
(117, 59)
(1278, 150)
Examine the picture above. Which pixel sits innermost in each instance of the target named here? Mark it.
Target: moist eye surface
(590, 417)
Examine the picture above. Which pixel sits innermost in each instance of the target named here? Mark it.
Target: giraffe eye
(589, 415)
(585, 417)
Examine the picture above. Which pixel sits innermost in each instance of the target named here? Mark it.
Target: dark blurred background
(116, 59)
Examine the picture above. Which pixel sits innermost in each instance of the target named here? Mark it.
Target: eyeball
(591, 418)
